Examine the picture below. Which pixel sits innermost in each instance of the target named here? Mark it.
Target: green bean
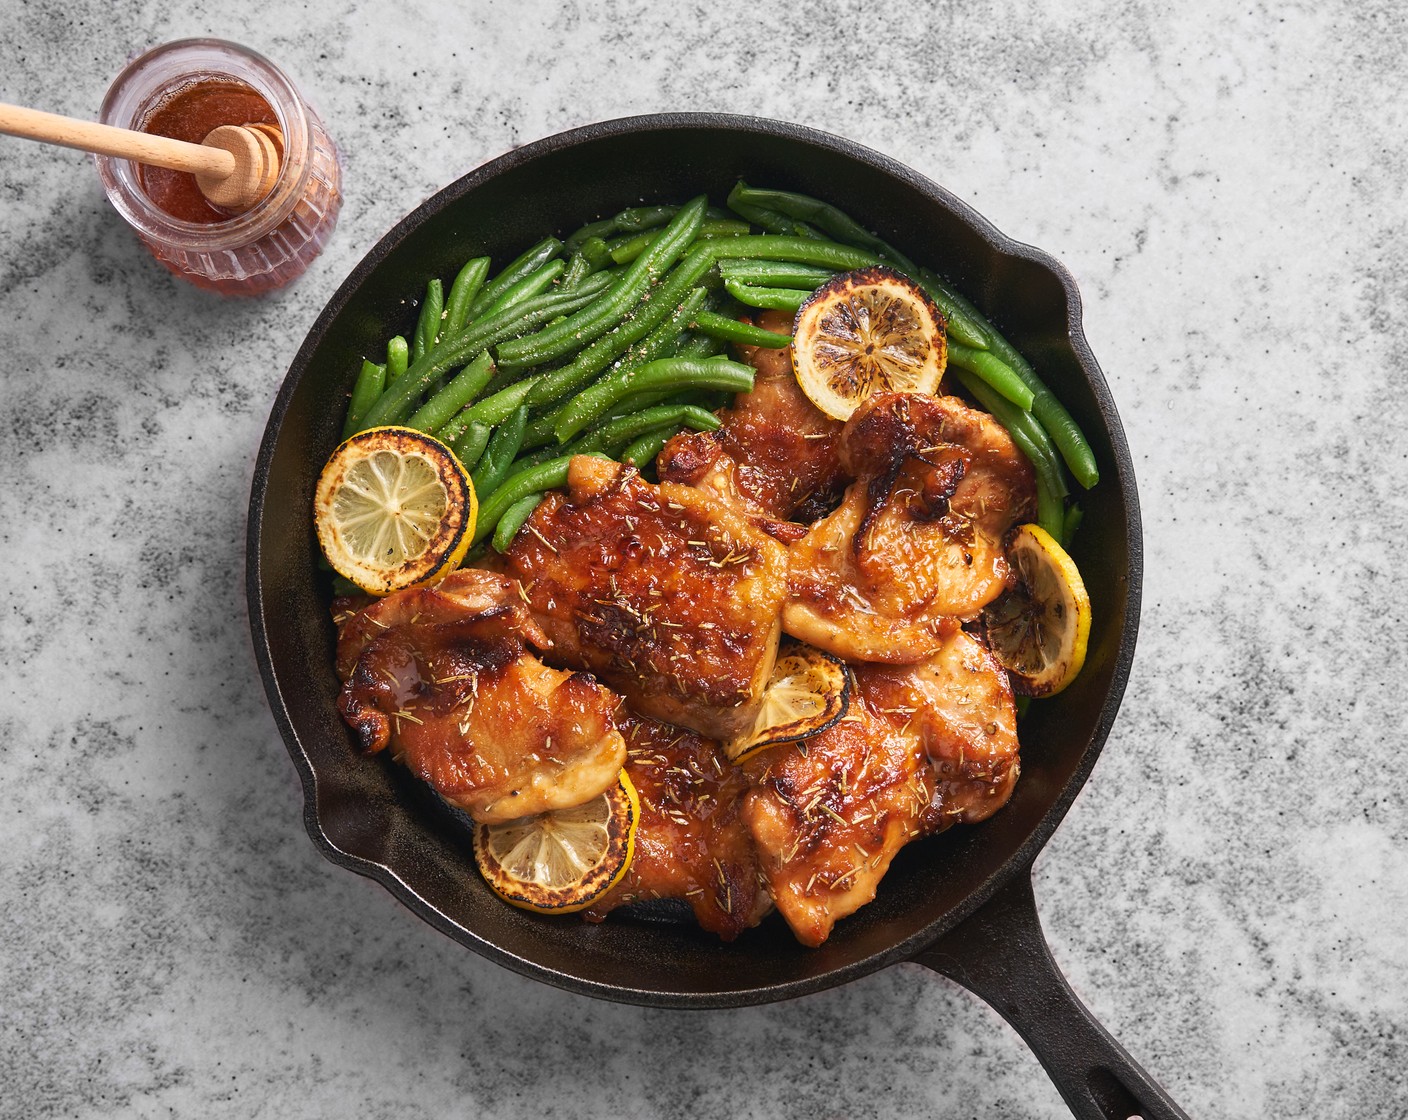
(397, 400)
(528, 287)
(513, 520)
(441, 408)
(776, 274)
(596, 319)
(838, 224)
(958, 312)
(592, 230)
(462, 294)
(499, 455)
(370, 383)
(724, 227)
(682, 373)
(639, 218)
(1050, 508)
(663, 299)
(995, 373)
(429, 322)
(532, 479)
(525, 265)
(1074, 516)
(1026, 433)
(341, 586)
(845, 229)
(398, 358)
(657, 322)
(1051, 414)
(731, 330)
(500, 406)
(578, 269)
(762, 217)
(798, 250)
(632, 220)
(469, 447)
(700, 346)
(626, 249)
(643, 451)
(597, 252)
(779, 299)
(623, 429)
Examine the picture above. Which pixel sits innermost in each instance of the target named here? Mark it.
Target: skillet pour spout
(961, 902)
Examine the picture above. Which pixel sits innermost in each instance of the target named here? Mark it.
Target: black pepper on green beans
(463, 291)
(525, 265)
(368, 387)
(681, 373)
(481, 334)
(429, 322)
(398, 359)
(731, 330)
(513, 520)
(463, 388)
(470, 445)
(502, 449)
(596, 319)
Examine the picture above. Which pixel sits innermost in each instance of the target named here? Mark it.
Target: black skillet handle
(1000, 954)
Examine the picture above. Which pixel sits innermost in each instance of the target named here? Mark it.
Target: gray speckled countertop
(1228, 893)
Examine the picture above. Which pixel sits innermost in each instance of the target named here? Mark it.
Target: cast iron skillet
(960, 903)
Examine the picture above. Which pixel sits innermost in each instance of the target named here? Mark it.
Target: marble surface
(1228, 892)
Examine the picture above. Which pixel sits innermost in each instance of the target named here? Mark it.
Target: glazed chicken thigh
(692, 843)
(666, 594)
(776, 457)
(442, 676)
(916, 545)
(958, 706)
(829, 814)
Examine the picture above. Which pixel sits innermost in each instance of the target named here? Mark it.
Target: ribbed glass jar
(273, 242)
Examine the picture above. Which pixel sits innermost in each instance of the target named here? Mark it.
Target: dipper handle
(235, 166)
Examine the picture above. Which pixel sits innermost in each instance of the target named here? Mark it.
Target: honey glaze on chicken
(667, 595)
(875, 540)
(443, 677)
(916, 546)
(776, 456)
(691, 843)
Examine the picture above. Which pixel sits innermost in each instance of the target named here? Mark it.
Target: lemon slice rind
(563, 860)
(394, 509)
(868, 331)
(808, 692)
(1040, 628)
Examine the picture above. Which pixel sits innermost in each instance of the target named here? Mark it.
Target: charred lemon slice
(864, 332)
(394, 508)
(807, 692)
(1040, 628)
(564, 860)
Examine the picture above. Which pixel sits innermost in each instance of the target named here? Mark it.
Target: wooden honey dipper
(235, 165)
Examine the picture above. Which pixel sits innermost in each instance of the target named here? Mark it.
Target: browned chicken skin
(958, 706)
(916, 546)
(776, 457)
(667, 595)
(441, 675)
(923, 747)
(691, 843)
(829, 814)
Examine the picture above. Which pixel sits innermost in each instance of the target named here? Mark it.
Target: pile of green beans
(609, 342)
